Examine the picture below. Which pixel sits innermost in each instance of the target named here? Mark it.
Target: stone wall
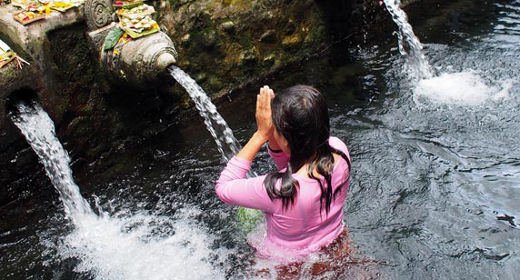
(225, 43)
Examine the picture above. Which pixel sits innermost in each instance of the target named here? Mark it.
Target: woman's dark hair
(300, 115)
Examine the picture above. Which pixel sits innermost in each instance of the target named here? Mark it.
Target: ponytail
(323, 163)
(288, 188)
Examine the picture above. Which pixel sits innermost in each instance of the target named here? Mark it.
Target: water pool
(435, 185)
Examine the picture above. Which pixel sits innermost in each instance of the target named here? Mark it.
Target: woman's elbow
(221, 195)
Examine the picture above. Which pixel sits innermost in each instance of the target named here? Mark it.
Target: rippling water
(435, 185)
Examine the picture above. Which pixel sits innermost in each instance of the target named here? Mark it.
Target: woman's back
(305, 226)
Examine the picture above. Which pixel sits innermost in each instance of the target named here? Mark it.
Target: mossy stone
(185, 40)
(290, 28)
(201, 77)
(269, 60)
(289, 42)
(247, 57)
(215, 83)
(228, 26)
(209, 39)
(268, 37)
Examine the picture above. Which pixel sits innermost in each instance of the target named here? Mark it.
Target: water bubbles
(464, 88)
(142, 246)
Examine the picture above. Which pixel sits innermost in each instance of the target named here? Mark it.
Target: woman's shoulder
(336, 143)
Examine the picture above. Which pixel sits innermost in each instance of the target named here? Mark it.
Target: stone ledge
(31, 38)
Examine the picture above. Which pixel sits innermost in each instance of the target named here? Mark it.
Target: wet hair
(300, 115)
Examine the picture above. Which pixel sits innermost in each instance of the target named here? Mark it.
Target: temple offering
(65, 5)
(28, 17)
(62, 5)
(137, 12)
(30, 11)
(128, 4)
(27, 5)
(137, 21)
(6, 54)
(112, 38)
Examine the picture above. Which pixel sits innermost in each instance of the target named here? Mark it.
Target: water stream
(466, 87)
(38, 129)
(124, 245)
(226, 142)
(409, 45)
(113, 246)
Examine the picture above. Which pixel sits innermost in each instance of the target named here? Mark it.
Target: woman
(303, 200)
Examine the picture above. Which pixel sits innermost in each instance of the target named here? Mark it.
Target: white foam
(122, 246)
(464, 88)
(142, 246)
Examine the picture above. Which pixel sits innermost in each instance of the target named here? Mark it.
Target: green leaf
(112, 38)
(247, 219)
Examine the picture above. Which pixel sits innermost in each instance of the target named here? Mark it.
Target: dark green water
(435, 190)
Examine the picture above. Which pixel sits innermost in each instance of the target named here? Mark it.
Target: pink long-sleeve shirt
(301, 229)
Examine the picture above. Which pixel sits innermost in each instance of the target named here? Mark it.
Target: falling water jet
(464, 88)
(409, 44)
(38, 129)
(226, 142)
(223, 135)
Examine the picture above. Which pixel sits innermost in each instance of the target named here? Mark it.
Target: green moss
(215, 84)
(228, 26)
(234, 2)
(269, 60)
(245, 40)
(237, 39)
(247, 57)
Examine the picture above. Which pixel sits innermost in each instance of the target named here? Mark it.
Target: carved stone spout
(138, 62)
(135, 62)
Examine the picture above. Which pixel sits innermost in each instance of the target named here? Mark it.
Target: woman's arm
(252, 147)
(232, 186)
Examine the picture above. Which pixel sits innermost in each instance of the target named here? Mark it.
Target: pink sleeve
(280, 158)
(235, 189)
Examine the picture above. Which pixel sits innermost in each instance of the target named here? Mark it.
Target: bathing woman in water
(303, 200)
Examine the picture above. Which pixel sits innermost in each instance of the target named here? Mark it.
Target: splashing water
(227, 144)
(409, 44)
(143, 246)
(464, 88)
(124, 245)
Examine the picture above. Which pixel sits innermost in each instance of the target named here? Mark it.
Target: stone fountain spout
(164, 61)
(136, 63)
